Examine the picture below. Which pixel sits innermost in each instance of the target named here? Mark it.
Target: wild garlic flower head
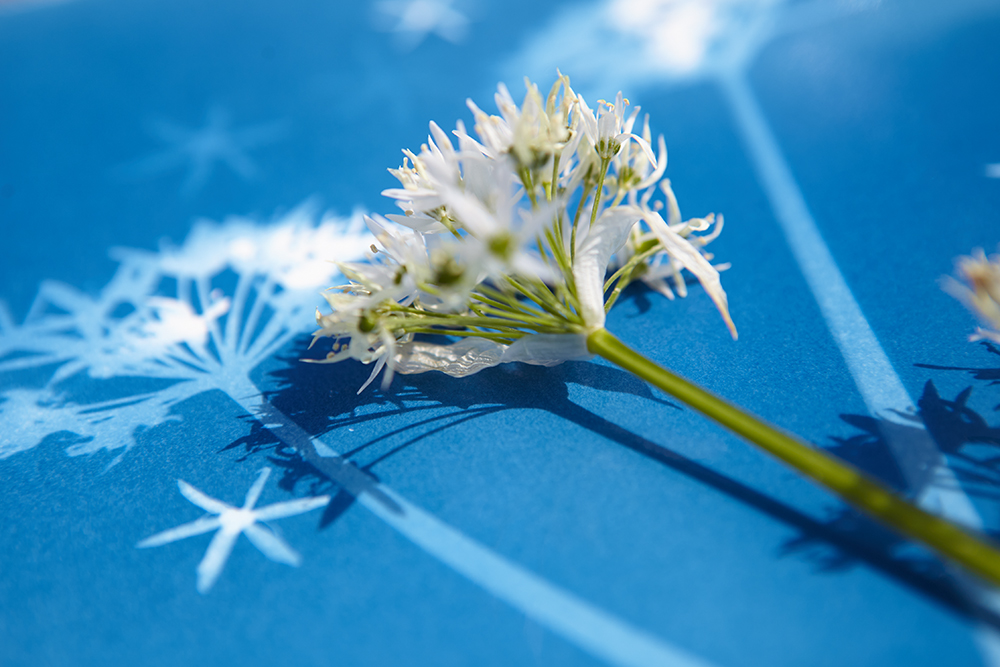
(507, 237)
(979, 290)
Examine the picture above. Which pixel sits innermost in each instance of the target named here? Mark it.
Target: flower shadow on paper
(322, 401)
(972, 449)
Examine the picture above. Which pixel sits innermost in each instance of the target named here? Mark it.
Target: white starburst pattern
(198, 150)
(230, 522)
(194, 337)
(413, 20)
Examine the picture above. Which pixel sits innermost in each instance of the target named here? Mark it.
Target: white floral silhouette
(198, 150)
(197, 336)
(232, 521)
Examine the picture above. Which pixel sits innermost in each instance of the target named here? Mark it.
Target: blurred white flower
(413, 20)
(979, 290)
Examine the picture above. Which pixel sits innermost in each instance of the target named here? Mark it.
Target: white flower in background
(683, 36)
(993, 170)
(506, 240)
(979, 290)
(633, 42)
(195, 317)
(413, 20)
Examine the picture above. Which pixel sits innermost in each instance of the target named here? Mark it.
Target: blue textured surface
(886, 116)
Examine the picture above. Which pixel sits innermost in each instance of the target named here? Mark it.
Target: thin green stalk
(504, 338)
(509, 300)
(522, 317)
(541, 296)
(555, 175)
(547, 255)
(448, 223)
(557, 252)
(557, 231)
(973, 552)
(529, 187)
(583, 199)
(509, 322)
(576, 216)
(626, 270)
(505, 305)
(600, 188)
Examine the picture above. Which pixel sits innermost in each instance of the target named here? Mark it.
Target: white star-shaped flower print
(230, 521)
(200, 149)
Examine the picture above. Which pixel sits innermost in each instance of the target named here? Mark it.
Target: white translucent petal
(467, 356)
(379, 365)
(643, 144)
(547, 349)
(603, 240)
(687, 254)
(471, 355)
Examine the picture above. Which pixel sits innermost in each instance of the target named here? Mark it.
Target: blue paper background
(887, 115)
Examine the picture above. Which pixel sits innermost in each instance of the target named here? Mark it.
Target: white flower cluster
(980, 291)
(506, 240)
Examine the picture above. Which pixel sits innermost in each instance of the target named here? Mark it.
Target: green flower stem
(576, 217)
(605, 161)
(973, 552)
(555, 175)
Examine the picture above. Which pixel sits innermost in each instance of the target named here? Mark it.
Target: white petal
(602, 241)
(643, 144)
(441, 139)
(379, 365)
(418, 223)
(659, 166)
(587, 119)
(474, 216)
(687, 254)
(673, 210)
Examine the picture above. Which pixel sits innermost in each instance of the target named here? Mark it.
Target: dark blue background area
(579, 473)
